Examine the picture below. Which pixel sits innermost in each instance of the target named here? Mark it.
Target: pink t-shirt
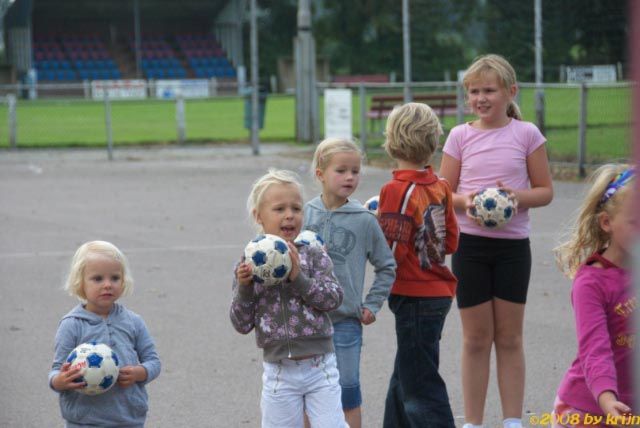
(490, 155)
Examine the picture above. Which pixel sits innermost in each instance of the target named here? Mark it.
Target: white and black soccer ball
(269, 258)
(372, 204)
(309, 237)
(99, 364)
(493, 208)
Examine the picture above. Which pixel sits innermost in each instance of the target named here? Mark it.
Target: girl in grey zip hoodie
(99, 275)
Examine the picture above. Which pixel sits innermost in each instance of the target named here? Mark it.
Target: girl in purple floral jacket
(291, 322)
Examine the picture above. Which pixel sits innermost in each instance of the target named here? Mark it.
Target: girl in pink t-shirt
(597, 256)
(493, 266)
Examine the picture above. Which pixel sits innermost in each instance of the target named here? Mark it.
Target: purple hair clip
(620, 181)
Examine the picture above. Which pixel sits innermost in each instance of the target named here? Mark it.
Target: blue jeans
(347, 341)
(417, 395)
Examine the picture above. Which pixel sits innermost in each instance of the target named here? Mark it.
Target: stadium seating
(203, 54)
(159, 60)
(71, 57)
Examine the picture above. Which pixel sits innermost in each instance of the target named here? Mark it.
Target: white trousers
(290, 388)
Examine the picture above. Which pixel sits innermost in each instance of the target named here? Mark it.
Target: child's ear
(319, 174)
(256, 216)
(513, 91)
(604, 220)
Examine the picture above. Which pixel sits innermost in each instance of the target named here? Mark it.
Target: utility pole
(406, 50)
(305, 63)
(255, 137)
(539, 77)
(137, 36)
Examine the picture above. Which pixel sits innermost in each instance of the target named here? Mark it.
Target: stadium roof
(178, 9)
(160, 10)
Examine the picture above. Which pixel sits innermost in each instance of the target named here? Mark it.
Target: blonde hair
(260, 186)
(498, 65)
(412, 133)
(74, 283)
(329, 147)
(585, 236)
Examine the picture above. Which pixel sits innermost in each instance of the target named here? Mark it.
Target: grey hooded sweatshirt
(352, 236)
(126, 333)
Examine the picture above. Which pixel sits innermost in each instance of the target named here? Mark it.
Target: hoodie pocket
(134, 399)
(73, 406)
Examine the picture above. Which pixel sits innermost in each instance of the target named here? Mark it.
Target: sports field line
(25, 254)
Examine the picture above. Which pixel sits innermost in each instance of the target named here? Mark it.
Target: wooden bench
(358, 78)
(443, 104)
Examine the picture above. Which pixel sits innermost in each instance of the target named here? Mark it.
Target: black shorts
(491, 267)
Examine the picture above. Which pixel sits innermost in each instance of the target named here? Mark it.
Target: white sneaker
(472, 426)
(512, 423)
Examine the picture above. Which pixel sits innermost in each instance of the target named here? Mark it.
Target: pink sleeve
(535, 138)
(594, 343)
(452, 145)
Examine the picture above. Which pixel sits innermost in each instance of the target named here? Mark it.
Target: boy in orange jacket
(417, 217)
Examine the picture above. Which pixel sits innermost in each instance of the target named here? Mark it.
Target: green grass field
(64, 123)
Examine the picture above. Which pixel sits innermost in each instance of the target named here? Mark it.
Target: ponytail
(513, 111)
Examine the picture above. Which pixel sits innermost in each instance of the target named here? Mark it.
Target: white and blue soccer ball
(269, 258)
(99, 367)
(310, 238)
(372, 204)
(493, 208)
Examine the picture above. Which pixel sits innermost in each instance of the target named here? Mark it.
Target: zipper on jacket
(325, 227)
(284, 319)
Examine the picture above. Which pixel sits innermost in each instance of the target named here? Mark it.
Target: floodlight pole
(136, 30)
(255, 137)
(539, 76)
(305, 63)
(406, 49)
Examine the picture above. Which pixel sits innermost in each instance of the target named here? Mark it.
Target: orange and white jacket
(418, 220)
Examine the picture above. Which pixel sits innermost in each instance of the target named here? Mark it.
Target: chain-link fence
(584, 123)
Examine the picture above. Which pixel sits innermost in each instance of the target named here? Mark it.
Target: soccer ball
(269, 258)
(493, 208)
(99, 365)
(309, 237)
(372, 204)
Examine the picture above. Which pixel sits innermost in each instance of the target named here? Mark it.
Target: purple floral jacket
(291, 319)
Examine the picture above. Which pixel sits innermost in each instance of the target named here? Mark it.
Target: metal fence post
(363, 116)
(459, 102)
(12, 104)
(107, 123)
(86, 87)
(180, 117)
(582, 131)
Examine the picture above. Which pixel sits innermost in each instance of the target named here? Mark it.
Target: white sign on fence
(591, 73)
(192, 88)
(337, 113)
(119, 89)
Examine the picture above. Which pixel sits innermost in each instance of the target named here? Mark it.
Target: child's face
(621, 226)
(280, 211)
(341, 176)
(102, 283)
(489, 99)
